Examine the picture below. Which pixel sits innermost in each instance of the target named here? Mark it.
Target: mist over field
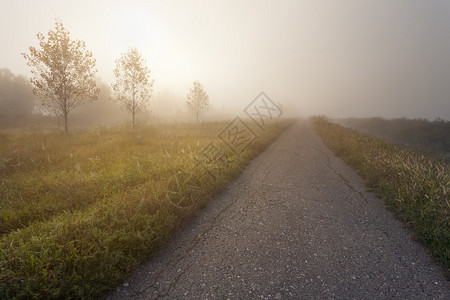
(343, 59)
(254, 145)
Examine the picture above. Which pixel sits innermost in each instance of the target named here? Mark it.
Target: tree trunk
(134, 113)
(197, 117)
(66, 126)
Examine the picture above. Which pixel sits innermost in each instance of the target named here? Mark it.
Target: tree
(133, 87)
(197, 99)
(63, 72)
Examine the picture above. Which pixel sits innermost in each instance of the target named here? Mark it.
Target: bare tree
(133, 87)
(197, 99)
(63, 72)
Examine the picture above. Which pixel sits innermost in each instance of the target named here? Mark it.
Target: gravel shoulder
(296, 224)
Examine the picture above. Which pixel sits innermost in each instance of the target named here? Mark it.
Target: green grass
(79, 213)
(414, 185)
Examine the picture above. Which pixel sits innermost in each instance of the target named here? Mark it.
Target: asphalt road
(296, 224)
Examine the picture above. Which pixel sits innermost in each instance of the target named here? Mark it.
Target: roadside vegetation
(414, 185)
(429, 136)
(79, 212)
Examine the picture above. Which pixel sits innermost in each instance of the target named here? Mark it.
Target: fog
(337, 58)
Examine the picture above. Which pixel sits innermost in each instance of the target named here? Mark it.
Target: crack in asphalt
(345, 180)
(348, 184)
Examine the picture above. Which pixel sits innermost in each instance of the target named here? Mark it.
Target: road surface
(296, 224)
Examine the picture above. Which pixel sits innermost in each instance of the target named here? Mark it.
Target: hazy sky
(341, 58)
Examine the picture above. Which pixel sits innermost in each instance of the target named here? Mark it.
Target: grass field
(414, 185)
(78, 213)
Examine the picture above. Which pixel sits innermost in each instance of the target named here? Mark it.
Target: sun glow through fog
(339, 58)
(133, 28)
(143, 28)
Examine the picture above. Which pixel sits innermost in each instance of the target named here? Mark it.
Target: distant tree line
(63, 78)
(419, 133)
(16, 98)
